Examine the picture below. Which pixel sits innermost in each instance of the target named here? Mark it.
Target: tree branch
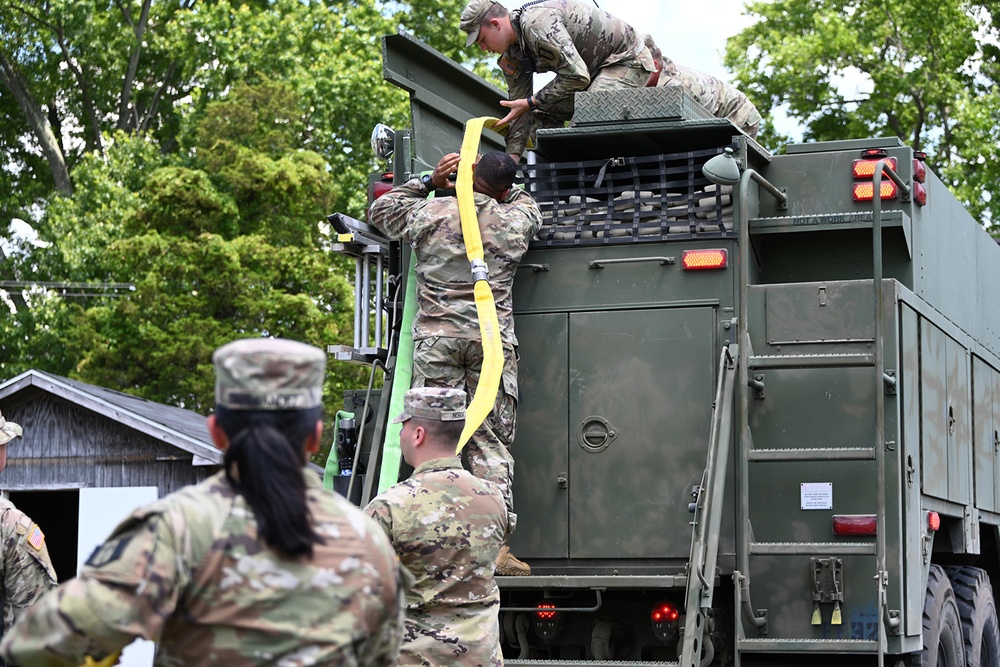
(38, 123)
(133, 64)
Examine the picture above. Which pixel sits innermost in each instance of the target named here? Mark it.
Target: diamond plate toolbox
(636, 104)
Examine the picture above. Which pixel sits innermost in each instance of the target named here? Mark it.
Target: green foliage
(205, 142)
(917, 66)
(193, 295)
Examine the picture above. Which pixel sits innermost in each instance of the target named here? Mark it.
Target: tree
(923, 73)
(202, 143)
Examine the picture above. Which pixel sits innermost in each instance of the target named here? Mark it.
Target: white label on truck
(817, 495)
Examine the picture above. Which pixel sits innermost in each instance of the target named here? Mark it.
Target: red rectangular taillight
(854, 525)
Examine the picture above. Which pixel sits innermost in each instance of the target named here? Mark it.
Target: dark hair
(496, 170)
(442, 434)
(264, 464)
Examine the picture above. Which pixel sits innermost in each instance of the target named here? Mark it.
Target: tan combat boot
(509, 566)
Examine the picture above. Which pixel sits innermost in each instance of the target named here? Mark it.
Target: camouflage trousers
(439, 361)
(630, 74)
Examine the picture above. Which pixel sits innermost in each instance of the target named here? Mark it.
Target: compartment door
(541, 494)
(640, 392)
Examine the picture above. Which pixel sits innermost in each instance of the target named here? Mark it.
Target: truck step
(812, 548)
(636, 581)
(806, 646)
(592, 663)
(813, 454)
(775, 361)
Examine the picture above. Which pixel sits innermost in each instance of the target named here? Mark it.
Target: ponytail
(264, 465)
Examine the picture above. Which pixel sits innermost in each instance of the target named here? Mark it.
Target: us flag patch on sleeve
(507, 66)
(35, 537)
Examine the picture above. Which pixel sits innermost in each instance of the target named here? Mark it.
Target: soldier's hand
(517, 109)
(446, 166)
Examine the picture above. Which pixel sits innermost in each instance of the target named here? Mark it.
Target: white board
(101, 510)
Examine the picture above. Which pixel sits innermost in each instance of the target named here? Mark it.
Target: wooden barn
(89, 455)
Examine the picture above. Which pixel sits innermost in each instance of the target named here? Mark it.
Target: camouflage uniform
(587, 48)
(447, 347)
(27, 569)
(447, 527)
(188, 572)
(718, 97)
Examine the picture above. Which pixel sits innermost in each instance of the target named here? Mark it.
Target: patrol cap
(8, 431)
(268, 374)
(472, 18)
(439, 403)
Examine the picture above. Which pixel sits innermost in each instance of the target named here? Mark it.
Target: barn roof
(184, 429)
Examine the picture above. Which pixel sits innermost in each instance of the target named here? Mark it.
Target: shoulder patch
(36, 538)
(108, 552)
(507, 66)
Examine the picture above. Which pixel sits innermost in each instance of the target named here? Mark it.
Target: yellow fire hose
(489, 328)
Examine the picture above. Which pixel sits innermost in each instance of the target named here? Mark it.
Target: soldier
(718, 97)
(27, 570)
(447, 349)
(447, 527)
(257, 565)
(586, 47)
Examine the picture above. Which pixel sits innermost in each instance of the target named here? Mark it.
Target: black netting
(629, 200)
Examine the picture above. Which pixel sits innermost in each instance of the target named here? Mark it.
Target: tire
(978, 611)
(944, 645)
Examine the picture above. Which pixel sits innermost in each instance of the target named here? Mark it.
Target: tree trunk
(39, 123)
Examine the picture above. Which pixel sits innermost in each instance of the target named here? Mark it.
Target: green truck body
(762, 447)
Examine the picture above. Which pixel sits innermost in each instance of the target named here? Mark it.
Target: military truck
(758, 418)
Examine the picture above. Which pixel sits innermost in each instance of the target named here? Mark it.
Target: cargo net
(629, 200)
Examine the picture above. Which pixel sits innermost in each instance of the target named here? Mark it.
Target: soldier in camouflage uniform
(24, 562)
(447, 527)
(586, 47)
(257, 565)
(718, 97)
(447, 348)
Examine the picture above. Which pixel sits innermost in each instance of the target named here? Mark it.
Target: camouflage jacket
(447, 527)
(718, 97)
(27, 569)
(188, 572)
(445, 289)
(572, 38)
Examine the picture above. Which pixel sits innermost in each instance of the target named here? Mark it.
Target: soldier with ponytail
(257, 565)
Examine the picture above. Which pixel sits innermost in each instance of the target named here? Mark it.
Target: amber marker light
(864, 190)
(697, 260)
(865, 169)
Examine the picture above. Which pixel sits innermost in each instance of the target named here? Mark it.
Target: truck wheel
(943, 643)
(978, 611)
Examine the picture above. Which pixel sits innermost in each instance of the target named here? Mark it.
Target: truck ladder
(748, 386)
(707, 509)
(888, 621)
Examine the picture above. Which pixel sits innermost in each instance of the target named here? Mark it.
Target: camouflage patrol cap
(439, 403)
(8, 431)
(268, 374)
(472, 18)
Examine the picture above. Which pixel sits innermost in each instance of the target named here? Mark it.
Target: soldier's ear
(219, 436)
(314, 440)
(419, 436)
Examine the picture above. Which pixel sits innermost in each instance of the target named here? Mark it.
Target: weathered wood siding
(66, 446)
